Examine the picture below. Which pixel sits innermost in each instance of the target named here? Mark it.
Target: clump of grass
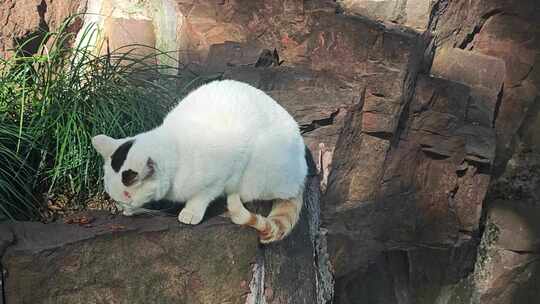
(53, 102)
(15, 193)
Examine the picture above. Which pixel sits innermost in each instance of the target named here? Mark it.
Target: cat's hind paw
(190, 217)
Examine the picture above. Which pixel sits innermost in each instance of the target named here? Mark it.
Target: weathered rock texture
(411, 13)
(22, 20)
(507, 30)
(506, 267)
(409, 206)
(426, 143)
(316, 88)
(143, 261)
(158, 260)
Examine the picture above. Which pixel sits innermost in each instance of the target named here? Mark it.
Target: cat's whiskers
(139, 210)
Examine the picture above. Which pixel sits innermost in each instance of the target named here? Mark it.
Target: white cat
(226, 137)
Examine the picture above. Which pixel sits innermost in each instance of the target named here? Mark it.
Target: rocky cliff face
(472, 109)
(421, 116)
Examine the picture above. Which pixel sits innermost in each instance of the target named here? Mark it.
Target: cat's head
(130, 173)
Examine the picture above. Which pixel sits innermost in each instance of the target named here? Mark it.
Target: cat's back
(230, 104)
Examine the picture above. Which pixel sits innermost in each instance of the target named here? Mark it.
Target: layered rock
(308, 36)
(314, 87)
(124, 260)
(425, 191)
(505, 30)
(384, 208)
(157, 260)
(506, 267)
(28, 19)
(409, 133)
(411, 13)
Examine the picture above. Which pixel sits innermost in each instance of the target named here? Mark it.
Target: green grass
(16, 199)
(53, 102)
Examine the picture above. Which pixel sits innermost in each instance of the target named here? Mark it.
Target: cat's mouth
(129, 205)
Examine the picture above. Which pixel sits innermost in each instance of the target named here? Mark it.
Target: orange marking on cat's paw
(252, 222)
(266, 233)
(281, 226)
(265, 236)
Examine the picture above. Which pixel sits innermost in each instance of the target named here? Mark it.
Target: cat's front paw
(190, 217)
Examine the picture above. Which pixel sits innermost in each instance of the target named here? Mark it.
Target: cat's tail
(282, 219)
(277, 225)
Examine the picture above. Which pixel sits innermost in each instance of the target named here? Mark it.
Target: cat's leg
(238, 213)
(241, 216)
(276, 226)
(195, 208)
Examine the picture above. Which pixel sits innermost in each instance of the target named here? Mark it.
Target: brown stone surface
(424, 189)
(511, 278)
(437, 173)
(22, 19)
(518, 228)
(470, 68)
(123, 260)
(110, 259)
(302, 32)
(407, 148)
(507, 268)
(507, 30)
(220, 35)
(436, 170)
(410, 13)
(126, 35)
(319, 90)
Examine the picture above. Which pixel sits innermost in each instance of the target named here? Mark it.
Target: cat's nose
(126, 194)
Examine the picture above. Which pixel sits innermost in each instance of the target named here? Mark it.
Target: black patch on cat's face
(128, 177)
(119, 156)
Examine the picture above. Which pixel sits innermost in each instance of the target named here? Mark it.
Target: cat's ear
(104, 144)
(150, 168)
